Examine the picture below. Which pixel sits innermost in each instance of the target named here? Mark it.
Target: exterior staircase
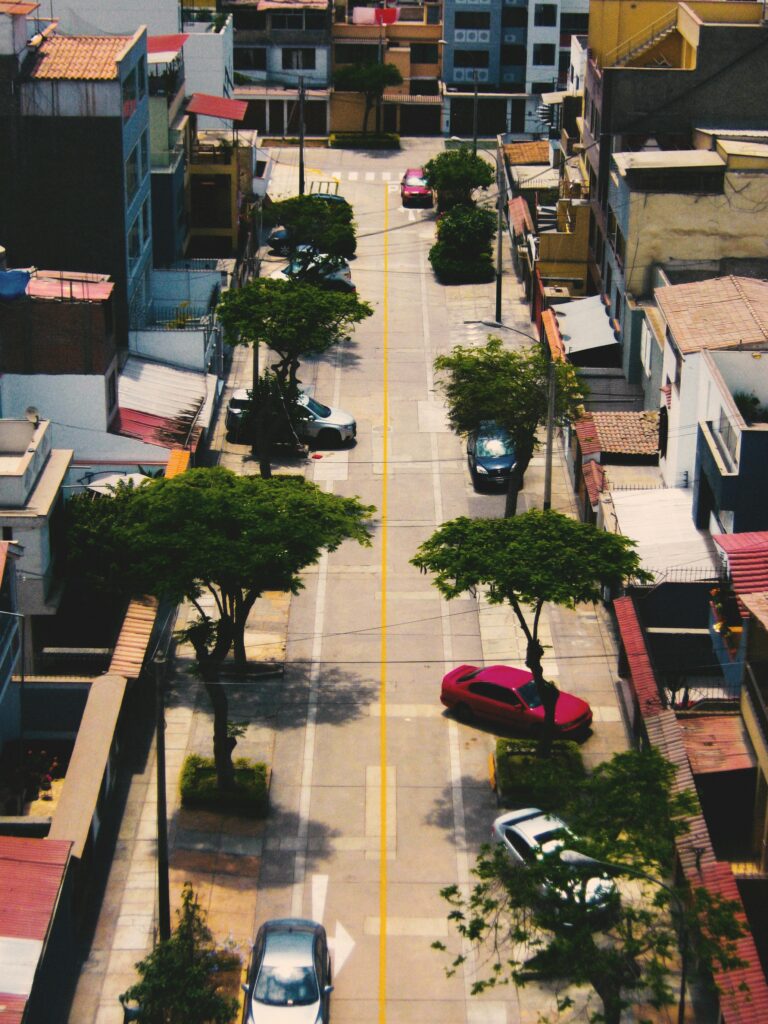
(642, 42)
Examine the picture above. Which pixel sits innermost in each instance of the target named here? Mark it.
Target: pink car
(508, 697)
(414, 190)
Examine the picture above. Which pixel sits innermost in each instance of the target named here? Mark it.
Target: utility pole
(474, 114)
(500, 202)
(163, 896)
(301, 135)
(550, 435)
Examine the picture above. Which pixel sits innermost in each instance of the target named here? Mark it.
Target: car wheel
(463, 712)
(328, 439)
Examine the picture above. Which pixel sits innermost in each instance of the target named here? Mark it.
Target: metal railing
(645, 37)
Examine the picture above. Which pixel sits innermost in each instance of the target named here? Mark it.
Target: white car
(319, 268)
(328, 427)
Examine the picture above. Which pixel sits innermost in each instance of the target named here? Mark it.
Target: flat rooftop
(675, 159)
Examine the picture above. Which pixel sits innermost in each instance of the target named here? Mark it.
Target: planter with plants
(523, 779)
(249, 795)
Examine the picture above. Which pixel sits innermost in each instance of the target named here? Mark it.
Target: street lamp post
(163, 894)
(474, 113)
(576, 859)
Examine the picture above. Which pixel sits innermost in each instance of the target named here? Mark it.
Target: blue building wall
(137, 208)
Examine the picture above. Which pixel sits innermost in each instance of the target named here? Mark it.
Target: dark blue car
(490, 455)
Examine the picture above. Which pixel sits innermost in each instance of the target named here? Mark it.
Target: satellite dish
(31, 413)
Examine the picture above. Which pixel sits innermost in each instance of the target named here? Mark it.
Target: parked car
(327, 426)
(414, 190)
(319, 268)
(529, 835)
(490, 455)
(289, 980)
(508, 697)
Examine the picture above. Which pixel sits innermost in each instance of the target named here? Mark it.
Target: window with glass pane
(470, 58)
(543, 54)
(129, 95)
(472, 19)
(545, 14)
(144, 154)
(298, 59)
(141, 73)
(145, 227)
(132, 174)
(134, 242)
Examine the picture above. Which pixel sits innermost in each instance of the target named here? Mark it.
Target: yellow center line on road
(383, 687)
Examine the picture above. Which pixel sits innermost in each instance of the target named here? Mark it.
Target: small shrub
(358, 140)
(467, 229)
(525, 780)
(454, 266)
(199, 788)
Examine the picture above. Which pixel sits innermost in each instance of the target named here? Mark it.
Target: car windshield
(552, 840)
(286, 986)
(317, 408)
(415, 181)
(494, 446)
(529, 693)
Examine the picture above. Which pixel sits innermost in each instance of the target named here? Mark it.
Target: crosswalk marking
(353, 175)
(386, 175)
(370, 175)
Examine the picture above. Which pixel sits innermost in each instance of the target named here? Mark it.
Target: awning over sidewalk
(217, 106)
(583, 325)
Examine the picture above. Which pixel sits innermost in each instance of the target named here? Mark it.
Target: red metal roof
(717, 743)
(166, 44)
(553, 336)
(748, 560)
(61, 287)
(640, 669)
(217, 106)
(743, 990)
(12, 1007)
(31, 873)
(145, 426)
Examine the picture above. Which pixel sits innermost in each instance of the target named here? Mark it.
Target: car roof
(531, 827)
(333, 196)
(503, 675)
(416, 171)
(289, 940)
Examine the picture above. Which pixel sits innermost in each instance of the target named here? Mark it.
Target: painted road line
(407, 710)
(374, 822)
(383, 846)
(386, 175)
(353, 176)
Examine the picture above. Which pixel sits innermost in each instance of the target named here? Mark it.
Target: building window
(514, 17)
(608, 281)
(513, 56)
(251, 58)
(356, 53)
(144, 143)
(728, 435)
(134, 244)
(576, 24)
(299, 59)
(141, 74)
(423, 53)
(645, 348)
(543, 54)
(129, 95)
(146, 232)
(472, 19)
(111, 391)
(470, 58)
(7, 533)
(132, 175)
(287, 21)
(545, 15)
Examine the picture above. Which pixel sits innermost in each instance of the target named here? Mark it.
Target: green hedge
(250, 795)
(369, 140)
(525, 780)
(452, 267)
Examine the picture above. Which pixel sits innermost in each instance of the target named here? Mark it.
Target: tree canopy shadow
(479, 805)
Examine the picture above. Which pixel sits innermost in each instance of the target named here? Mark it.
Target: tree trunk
(366, 113)
(548, 694)
(263, 441)
(610, 996)
(238, 651)
(222, 743)
(515, 485)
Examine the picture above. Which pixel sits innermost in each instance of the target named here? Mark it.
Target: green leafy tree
(534, 924)
(294, 320)
(311, 221)
(462, 252)
(369, 79)
(209, 532)
(180, 978)
(455, 175)
(528, 561)
(510, 387)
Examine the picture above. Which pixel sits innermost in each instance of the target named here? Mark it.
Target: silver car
(289, 981)
(531, 834)
(318, 268)
(323, 424)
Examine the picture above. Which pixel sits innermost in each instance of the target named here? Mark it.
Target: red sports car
(508, 697)
(414, 189)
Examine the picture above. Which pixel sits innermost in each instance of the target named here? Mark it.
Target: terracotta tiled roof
(667, 392)
(726, 312)
(131, 647)
(527, 152)
(619, 433)
(594, 478)
(552, 335)
(86, 58)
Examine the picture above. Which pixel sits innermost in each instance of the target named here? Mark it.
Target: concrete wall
(683, 419)
(93, 17)
(184, 348)
(209, 63)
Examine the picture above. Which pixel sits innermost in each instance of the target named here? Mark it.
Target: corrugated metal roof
(717, 743)
(217, 106)
(156, 403)
(31, 875)
(178, 462)
(166, 46)
(131, 647)
(85, 58)
(552, 334)
(747, 559)
(520, 215)
(640, 669)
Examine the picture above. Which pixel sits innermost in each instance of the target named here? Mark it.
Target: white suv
(328, 427)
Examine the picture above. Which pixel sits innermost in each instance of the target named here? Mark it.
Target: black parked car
(491, 456)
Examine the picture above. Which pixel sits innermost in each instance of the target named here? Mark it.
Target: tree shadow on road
(479, 809)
